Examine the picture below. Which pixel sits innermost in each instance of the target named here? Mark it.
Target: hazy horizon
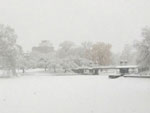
(117, 22)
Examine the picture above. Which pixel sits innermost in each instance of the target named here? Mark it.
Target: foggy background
(117, 22)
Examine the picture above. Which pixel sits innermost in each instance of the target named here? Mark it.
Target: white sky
(112, 21)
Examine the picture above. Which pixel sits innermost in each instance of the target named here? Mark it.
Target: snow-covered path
(74, 94)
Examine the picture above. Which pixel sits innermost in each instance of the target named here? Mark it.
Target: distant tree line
(45, 56)
(68, 55)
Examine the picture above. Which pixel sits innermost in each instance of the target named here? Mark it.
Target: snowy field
(74, 94)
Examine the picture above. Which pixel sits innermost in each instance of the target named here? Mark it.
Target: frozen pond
(74, 94)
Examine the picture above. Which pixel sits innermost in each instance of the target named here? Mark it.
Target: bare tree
(65, 49)
(129, 54)
(143, 48)
(101, 53)
(8, 48)
(42, 54)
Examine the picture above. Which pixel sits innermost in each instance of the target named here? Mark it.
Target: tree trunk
(54, 69)
(65, 71)
(45, 69)
(23, 70)
(14, 71)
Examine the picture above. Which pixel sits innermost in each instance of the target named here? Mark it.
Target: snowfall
(51, 93)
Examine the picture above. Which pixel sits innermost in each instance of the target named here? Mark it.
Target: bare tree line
(68, 55)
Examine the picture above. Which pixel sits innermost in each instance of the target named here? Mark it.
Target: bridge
(127, 69)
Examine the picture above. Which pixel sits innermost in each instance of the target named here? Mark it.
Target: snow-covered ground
(74, 94)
